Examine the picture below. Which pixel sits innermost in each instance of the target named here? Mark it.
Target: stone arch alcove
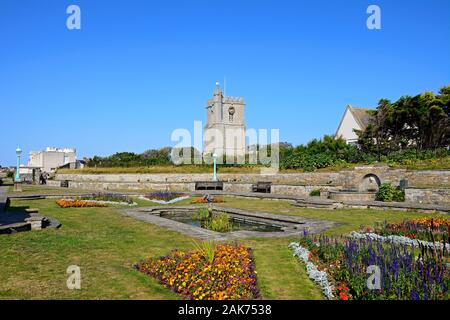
(370, 183)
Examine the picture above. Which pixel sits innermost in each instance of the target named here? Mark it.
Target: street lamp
(215, 167)
(17, 179)
(18, 153)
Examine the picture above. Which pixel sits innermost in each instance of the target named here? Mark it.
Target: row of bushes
(330, 152)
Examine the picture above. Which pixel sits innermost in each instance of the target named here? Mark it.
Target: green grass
(26, 188)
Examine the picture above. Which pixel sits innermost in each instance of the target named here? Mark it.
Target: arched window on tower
(231, 112)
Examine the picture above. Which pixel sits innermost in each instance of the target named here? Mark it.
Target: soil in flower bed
(427, 229)
(108, 197)
(65, 203)
(224, 272)
(406, 273)
(164, 196)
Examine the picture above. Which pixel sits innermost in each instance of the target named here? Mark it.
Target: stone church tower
(225, 126)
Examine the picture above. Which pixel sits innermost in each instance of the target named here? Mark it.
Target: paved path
(291, 226)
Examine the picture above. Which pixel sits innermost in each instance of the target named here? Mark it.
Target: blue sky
(137, 70)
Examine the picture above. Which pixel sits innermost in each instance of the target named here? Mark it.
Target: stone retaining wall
(319, 178)
(345, 178)
(434, 196)
(298, 184)
(300, 191)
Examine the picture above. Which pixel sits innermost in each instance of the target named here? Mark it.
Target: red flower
(343, 296)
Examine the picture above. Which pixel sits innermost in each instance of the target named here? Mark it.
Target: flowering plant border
(320, 277)
(398, 240)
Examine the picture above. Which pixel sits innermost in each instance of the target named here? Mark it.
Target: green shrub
(399, 195)
(388, 193)
(201, 214)
(219, 223)
(385, 193)
(315, 193)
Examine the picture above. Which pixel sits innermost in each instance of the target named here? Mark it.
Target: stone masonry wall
(420, 183)
(345, 178)
(433, 196)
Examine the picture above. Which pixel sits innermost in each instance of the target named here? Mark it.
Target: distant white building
(52, 158)
(353, 119)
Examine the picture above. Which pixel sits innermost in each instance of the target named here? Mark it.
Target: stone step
(317, 203)
(31, 210)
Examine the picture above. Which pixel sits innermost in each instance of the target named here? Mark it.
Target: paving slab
(291, 226)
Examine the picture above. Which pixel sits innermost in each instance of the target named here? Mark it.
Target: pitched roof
(361, 115)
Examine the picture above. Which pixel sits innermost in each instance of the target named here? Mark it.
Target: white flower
(397, 240)
(320, 277)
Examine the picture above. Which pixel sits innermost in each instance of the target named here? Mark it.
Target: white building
(52, 158)
(353, 119)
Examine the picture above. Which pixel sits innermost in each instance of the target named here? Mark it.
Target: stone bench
(209, 185)
(64, 184)
(261, 186)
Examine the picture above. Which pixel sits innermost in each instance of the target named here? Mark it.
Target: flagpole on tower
(224, 86)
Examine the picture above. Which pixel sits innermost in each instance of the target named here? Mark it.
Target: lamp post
(17, 180)
(215, 167)
(18, 153)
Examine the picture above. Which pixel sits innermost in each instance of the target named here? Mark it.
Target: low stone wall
(297, 184)
(130, 186)
(353, 196)
(432, 196)
(430, 178)
(300, 191)
(316, 178)
(346, 178)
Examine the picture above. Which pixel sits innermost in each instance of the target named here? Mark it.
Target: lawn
(42, 189)
(106, 244)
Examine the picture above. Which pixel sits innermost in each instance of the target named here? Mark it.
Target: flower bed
(65, 203)
(405, 272)
(109, 198)
(320, 277)
(426, 229)
(163, 196)
(230, 276)
(200, 200)
(400, 240)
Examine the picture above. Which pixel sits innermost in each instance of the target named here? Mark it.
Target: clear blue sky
(139, 69)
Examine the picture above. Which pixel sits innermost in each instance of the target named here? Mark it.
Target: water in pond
(238, 224)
